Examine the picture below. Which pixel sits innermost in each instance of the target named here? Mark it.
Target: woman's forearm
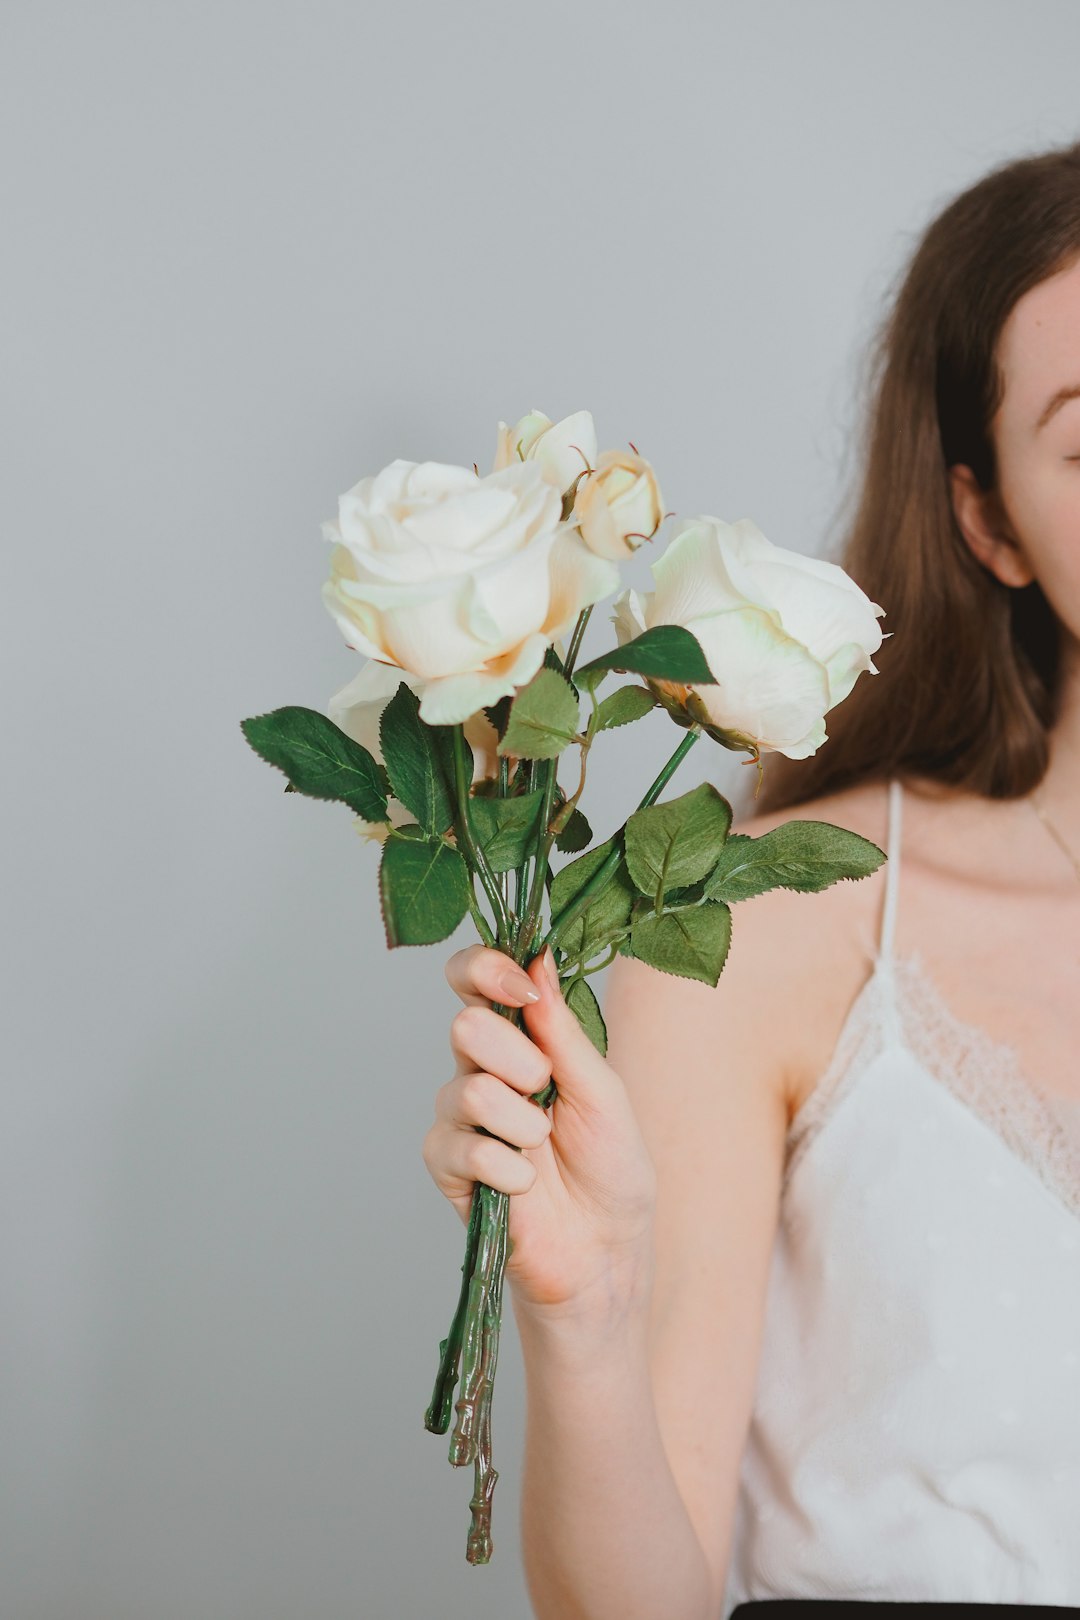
(605, 1532)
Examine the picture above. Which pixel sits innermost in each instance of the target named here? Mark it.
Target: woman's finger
(480, 1158)
(483, 1099)
(479, 973)
(456, 1159)
(481, 1038)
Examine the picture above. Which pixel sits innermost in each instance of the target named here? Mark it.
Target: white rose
(460, 580)
(563, 450)
(357, 710)
(785, 635)
(618, 506)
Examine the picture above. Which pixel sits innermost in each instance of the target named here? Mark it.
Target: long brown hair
(969, 680)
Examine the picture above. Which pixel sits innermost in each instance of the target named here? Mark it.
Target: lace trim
(987, 1075)
(861, 1039)
(983, 1073)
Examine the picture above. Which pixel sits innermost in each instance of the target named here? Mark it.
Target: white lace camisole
(915, 1434)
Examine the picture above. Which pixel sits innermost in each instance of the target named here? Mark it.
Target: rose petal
(483, 739)
(358, 623)
(809, 744)
(451, 699)
(691, 575)
(579, 578)
(767, 684)
(431, 636)
(357, 708)
(595, 519)
(844, 668)
(819, 605)
(565, 449)
(628, 616)
(510, 599)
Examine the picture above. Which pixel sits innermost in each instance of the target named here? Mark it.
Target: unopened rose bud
(563, 450)
(619, 506)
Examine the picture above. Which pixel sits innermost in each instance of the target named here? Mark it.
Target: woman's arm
(605, 1529)
(638, 1408)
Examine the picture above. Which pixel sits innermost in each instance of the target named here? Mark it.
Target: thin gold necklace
(1055, 835)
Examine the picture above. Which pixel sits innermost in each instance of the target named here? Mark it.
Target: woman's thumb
(577, 1067)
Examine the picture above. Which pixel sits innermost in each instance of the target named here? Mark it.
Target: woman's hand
(583, 1187)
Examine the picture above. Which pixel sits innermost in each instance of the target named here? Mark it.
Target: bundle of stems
(470, 1349)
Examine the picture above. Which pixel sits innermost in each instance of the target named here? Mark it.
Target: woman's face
(1036, 434)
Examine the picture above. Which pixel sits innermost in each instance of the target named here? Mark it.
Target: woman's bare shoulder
(795, 963)
(861, 808)
(820, 942)
(826, 932)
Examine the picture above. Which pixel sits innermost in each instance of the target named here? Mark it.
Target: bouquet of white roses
(460, 591)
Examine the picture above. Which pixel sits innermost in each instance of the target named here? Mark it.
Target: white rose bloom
(462, 581)
(357, 709)
(563, 450)
(786, 636)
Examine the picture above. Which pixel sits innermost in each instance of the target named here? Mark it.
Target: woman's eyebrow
(1056, 401)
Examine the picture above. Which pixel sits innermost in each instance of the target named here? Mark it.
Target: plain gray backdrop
(252, 252)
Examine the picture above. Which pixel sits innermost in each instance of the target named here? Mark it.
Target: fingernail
(519, 986)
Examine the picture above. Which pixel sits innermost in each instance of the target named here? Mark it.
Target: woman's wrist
(614, 1309)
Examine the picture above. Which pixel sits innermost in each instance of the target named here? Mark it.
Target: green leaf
(423, 888)
(692, 944)
(605, 917)
(588, 678)
(674, 899)
(626, 704)
(667, 652)
(543, 719)
(319, 759)
(576, 835)
(419, 761)
(506, 829)
(803, 855)
(499, 713)
(586, 1009)
(677, 842)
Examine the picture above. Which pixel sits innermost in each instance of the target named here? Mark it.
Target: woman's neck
(976, 826)
(1059, 789)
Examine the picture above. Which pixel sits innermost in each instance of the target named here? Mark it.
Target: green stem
(671, 767)
(606, 869)
(479, 1546)
(471, 1346)
(437, 1416)
(575, 641)
(483, 927)
(544, 840)
(477, 859)
(463, 1440)
(473, 1341)
(606, 961)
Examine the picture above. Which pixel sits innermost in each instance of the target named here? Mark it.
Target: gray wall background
(252, 252)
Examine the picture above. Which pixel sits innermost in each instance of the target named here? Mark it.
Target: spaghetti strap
(883, 967)
(892, 872)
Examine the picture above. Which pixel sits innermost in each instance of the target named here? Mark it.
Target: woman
(796, 1269)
